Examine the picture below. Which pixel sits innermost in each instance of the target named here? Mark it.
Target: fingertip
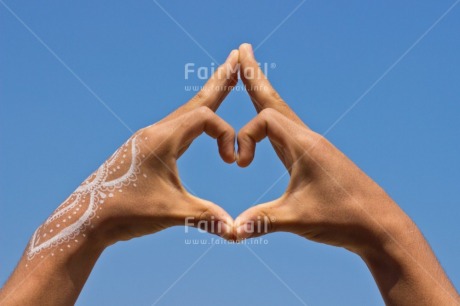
(244, 231)
(243, 163)
(246, 48)
(226, 232)
(231, 157)
(224, 227)
(228, 157)
(246, 151)
(242, 159)
(233, 53)
(231, 63)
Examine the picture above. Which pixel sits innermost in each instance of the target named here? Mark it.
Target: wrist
(395, 240)
(401, 258)
(87, 243)
(391, 230)
(391, 237)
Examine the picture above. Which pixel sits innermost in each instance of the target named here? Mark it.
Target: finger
(262, 94)
(208, 217)
(269, 123)
(262, 219)
(216, 88)
(189, 126)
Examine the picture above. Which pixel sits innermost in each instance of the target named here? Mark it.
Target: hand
(135, 192)
(330, 200)
(324, 199)
(157, 200)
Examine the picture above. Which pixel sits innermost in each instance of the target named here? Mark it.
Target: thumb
(262, 93)
(208, 217)
(260, 220)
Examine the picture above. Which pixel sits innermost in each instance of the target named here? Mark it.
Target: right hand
(328, 199)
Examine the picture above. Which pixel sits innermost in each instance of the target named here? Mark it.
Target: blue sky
(399, 59)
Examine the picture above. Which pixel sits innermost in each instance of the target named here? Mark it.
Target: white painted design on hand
(74, 215)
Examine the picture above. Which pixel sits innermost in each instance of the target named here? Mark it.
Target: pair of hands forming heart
(138, 192)
(323, 201)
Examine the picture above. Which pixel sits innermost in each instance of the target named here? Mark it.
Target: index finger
(262, 93)
(216, 88)
(191, 125)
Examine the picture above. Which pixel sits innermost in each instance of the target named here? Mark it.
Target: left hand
(138, 190)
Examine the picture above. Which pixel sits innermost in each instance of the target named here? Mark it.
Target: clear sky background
(399, 60)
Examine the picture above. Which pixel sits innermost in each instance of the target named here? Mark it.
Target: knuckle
(302, 138)
(228, 134)
(319, 149)
(148, 132)
(242, 134)
(204, 112)
(319, 141)
(245, 137)
(267, 113)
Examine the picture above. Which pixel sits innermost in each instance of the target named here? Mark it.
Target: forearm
(404, 266)
(136, 192)
(56, 276)
(63, 250)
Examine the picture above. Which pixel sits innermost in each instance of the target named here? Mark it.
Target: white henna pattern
(73, 216)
